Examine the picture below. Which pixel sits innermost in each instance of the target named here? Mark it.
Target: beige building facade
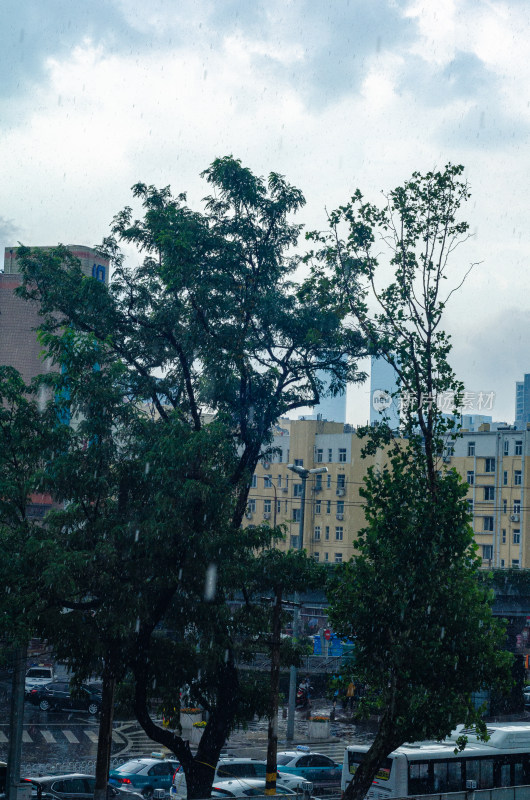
(333, 506)
(494, 464)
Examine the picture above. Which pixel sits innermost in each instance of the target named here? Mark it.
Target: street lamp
(304, 475)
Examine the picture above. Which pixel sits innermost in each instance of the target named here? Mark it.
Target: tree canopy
(173, 377)
(425, 638)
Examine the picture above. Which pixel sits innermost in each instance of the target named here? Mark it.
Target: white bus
(429, 767)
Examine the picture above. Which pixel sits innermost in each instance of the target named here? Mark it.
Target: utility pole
(16, 719)
(304, 474)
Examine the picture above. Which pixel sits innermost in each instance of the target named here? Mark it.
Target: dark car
(73, 787)
(60, 696)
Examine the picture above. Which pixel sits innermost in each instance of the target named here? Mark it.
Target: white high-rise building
(383, 384)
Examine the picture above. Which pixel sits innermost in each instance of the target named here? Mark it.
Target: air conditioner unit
(266, 515)
(248, 515)
(515, 517)
(340, 516)
(285, 490)
(446, 459)
(317, 489)
(266, 464)
(341, 492)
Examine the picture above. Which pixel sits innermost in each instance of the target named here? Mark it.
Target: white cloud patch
(97, 96)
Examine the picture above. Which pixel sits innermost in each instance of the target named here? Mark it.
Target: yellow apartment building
(493, 462)
(333, 506)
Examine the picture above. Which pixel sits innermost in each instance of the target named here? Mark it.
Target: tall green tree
(424, 631)
(211, 325)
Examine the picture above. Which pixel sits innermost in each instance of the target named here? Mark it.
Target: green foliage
(425, 638)
(29, 434)
(147, 548)
(403, 597)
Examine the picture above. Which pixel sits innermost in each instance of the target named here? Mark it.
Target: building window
(317, 533)
(519, 448)
(278, 506)
(504, 506)
(489, 465)
(297, 512)
(251, 506)
(502, 563)
(471, 448)
(338, 558)
(328, 507)
(342, 455)
(516, 506)
(330, 454)
(319, 455)
(254, 482)
(280, 456)
(329, 482)
(506, 447)
(488, 524)
(267, 506)
(294, 542)
(318, 506)
(268, 481)
(340, 506)
(517, 537)
(489, 493)
(517, 477)
(297, 490)
(341, 481)
(504, 535)
(487, 552)
(316, 555)
(327, 532)
(470, 477)
(470, 507)
(318, 483)
(339, 533)
(505, 478)
(326, 556)
(279, 481)
(299, 462)
(515, 563)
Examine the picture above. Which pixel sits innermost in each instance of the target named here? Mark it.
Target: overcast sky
(98, 94)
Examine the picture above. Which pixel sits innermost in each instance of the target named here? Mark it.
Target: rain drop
(210, 584)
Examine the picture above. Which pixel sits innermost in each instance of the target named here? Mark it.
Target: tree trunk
(382, 745)
(105, 737)
(199, 769)
(272, 735)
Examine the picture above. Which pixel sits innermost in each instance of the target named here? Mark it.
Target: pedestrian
(350, 694)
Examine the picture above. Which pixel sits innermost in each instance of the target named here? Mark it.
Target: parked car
(314, 767)
(246, 787)
(37, 676)
(59, 696)
(247, 768)
(75, 786)
(145, 774)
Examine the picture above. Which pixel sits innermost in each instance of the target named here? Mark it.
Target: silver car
(242, 768)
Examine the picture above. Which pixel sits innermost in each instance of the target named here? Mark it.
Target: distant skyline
(336, 95)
